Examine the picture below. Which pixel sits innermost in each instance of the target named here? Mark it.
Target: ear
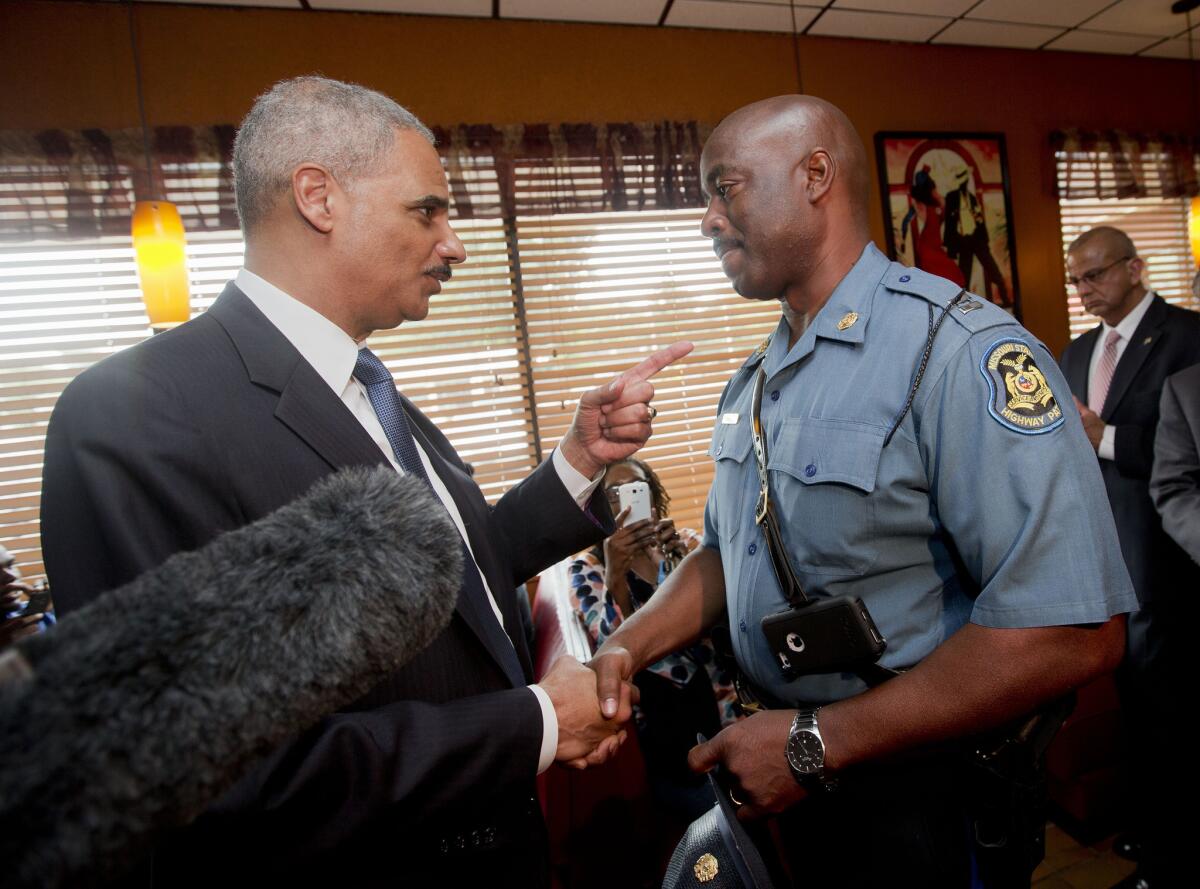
(819, 171)
(1137, 268)
(314, 193)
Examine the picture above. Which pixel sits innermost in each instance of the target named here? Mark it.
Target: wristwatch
(806, 752)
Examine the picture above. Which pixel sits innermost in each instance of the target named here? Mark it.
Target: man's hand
(585, 737)
(613, 421)
(1092, 424)
(614, 669)
(753, 753)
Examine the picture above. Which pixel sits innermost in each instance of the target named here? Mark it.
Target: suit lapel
(1145, 338)
(306, 404)
(321, 420)
(1078, 359)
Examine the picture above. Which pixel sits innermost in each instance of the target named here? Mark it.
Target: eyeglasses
(1095, 275)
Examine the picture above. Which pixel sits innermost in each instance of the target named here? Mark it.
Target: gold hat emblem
(706, 868)
(847, 321)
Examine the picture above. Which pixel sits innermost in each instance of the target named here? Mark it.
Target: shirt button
(775, 395)
(810, 470)
(904, 279)
(753, 548)
(742, 625)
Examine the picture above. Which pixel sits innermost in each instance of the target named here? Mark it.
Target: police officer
(923, 455)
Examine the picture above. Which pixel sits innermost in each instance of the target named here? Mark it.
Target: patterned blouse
(601, 616)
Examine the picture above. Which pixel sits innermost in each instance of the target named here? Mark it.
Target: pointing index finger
(656, 362)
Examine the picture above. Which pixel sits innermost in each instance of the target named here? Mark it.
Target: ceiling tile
(1139, 17)
(915, 7)
(739, 16)
(1096, 41)
(997, 34)
(1067, 13)
(628, 12)
(878, 25)
(1174, 49)
(481, 8)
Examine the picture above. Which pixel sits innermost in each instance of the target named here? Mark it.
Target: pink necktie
(1102, 379)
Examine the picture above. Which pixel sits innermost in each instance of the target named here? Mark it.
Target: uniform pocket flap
(822, 451)
(730, 441)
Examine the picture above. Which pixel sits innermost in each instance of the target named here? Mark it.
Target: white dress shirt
(333, 354)
(1124, 329)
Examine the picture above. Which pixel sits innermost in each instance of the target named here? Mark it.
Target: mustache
(721, 246)
(441, 272)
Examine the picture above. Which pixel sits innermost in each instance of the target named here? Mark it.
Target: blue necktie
(381, 390)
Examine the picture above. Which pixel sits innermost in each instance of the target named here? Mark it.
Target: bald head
(788, 180)
(795, 127)
(1106, 239)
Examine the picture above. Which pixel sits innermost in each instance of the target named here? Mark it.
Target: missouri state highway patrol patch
(1021, 398)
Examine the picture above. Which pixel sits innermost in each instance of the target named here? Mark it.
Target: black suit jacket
(1166, 341)
(1175, 482)
(212, 425)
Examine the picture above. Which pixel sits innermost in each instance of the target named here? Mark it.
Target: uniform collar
(849, 305)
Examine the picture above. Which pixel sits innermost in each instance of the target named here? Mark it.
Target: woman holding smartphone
(687, 691)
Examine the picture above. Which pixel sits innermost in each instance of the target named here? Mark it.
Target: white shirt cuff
(577, 484)
(1108, 444)
(549, 728)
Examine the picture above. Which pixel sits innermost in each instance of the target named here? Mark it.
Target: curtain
(82, 183)
(1115, 164)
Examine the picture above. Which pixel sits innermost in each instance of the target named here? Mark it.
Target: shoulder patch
(1020, 398)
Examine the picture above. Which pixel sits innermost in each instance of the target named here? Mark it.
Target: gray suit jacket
(1175, 481)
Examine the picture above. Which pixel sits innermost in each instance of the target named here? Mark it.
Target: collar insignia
(706, 868)
(847, 321)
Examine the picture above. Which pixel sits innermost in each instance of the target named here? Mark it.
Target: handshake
(593, 703)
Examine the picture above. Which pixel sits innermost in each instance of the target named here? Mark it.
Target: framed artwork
(947, 209)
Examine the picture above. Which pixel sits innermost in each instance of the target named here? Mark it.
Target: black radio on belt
(833, 635)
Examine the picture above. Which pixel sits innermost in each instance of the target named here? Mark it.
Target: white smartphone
(635, 495)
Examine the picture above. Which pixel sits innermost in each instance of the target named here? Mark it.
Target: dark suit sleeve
(537, 522)
(123, 486)
(404, 767)
(1175, 482)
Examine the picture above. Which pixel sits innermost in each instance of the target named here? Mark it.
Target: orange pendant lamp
(159, 245)
(1194, 229)
(157, 230)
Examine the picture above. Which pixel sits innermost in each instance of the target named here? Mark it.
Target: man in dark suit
(344, 206)
(1116, 372)
(1175, 482)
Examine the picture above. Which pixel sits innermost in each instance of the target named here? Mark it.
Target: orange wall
(69, 65)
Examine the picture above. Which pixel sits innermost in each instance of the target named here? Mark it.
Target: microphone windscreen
(151, 701)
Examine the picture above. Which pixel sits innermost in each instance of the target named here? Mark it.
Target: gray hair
(343, 127)
(1106, 233)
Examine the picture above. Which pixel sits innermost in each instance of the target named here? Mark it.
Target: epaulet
(973, 313)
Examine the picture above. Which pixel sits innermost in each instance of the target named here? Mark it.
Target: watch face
(806, 753)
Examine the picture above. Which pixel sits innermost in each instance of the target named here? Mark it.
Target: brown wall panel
(67, 64)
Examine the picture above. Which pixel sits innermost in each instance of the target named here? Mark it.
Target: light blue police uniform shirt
(972, 512)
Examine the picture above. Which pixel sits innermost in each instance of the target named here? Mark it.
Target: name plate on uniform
(729, 419)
